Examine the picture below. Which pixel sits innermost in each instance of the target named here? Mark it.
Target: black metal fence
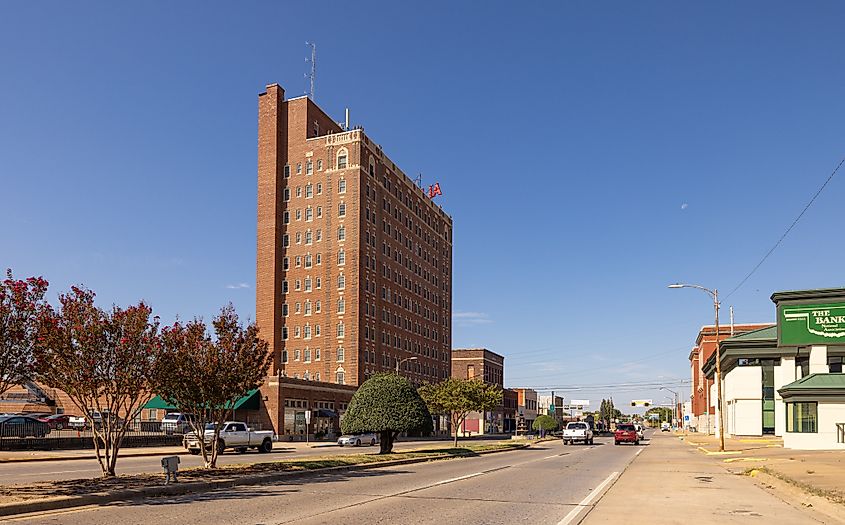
(39, 436)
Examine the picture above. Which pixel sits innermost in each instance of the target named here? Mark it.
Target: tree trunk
(386, 441)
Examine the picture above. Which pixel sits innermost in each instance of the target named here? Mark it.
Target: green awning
(251, 401)
(815, 384)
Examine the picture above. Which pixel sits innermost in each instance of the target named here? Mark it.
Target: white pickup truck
(235, 435)
(577, 431)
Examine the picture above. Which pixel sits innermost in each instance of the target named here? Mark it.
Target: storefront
(787, 380)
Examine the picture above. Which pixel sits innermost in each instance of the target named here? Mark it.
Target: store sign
(812, 323)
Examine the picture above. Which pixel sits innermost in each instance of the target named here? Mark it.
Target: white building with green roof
(787, 380)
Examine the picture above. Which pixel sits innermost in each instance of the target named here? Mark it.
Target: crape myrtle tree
(458, 397)
(103, 360)
(20, 302)
(204, 375)
(545, 423)
(386, 404)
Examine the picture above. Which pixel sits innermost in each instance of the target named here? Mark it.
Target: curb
(76, 458)
(179, 489)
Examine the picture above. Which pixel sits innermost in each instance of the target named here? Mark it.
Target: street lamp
(715, 295)
(400, 361)
(674, 402)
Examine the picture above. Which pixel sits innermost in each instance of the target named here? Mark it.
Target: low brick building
(486, 366)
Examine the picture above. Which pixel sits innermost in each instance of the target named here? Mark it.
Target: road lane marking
(638, 452)
(586, 501)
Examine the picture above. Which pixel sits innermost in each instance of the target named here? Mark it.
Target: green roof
(815, 384)
(250, 401)
(761, 334)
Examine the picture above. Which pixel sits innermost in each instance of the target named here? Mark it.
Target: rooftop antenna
(418, 180)
(312, 76)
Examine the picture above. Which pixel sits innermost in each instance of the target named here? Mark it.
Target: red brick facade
(354, 261)
(705, 346)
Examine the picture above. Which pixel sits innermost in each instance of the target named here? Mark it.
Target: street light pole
(715, 295)
(400, 361)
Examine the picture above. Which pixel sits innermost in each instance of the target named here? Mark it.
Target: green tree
(103, 361)
(458, 397)
(386, 404)
(664, 413)
(20, 302)
(546, 423)
(205, 376)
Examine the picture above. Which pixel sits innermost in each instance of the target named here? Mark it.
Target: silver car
(356, 440)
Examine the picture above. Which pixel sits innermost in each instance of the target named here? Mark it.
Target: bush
(386, 404)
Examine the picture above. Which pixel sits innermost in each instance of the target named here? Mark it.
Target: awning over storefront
(816, 385)
(251, 401)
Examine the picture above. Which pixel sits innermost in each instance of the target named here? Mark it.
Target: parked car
(77, 422)
(665, 427)
(234, 434)
(57, 421)
(577, 431)
(356, 440)
(176, 423)
(626, 433)
(22, 427)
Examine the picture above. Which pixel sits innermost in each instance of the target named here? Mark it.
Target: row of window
(342, 162)
(306, 308)
(306, 331)
(310, 213)
(340, 379)
(309, 190)
(302, 403)
(306, 354)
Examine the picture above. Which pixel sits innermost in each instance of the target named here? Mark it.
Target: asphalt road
(546, 484)
(33, 471)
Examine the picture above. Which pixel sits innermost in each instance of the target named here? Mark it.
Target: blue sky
(589, 153)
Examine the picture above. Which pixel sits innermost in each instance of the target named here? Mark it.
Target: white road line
(586, 501)
(638, 452)
(459, 478)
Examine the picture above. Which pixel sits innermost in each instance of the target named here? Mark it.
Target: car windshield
(171, 416)
(626, 427)
(210, 426)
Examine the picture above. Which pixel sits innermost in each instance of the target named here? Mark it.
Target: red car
(57, 421)
(626, 433)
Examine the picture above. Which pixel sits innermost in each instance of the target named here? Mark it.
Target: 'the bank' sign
(811, 324)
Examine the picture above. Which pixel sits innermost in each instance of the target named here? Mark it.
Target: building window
(802, 417)
(286, 217)
(317, 307)
(341, 330)
(308, 307)
(297, 307)
(319, 283)
(284, 332)
(835, 364)
(319, 235)
(316, 330)
(341, 209)
(340, 354)
(309, 167)
(319, 188)
(341, 306)
(287, 194)
(309, 213)
(319, 257)
(297, 331)
(307, 355)
(298, 238)
(287, 171)
(341, 233)
(308, 260)
(317, 354)
(307, 284)
(296, 355)
(317, 376)
(285, 240)
(299, 191)
(341, 257)
(284, 287)
(319, 212)
(309, 237)
(297, 285)
(298, 214)
(341, 186)
(297, 261)
(341, 282)
(340, 377)
(309, 191)
(341, 159)
(284, 356)
(286, 263)
(285, 309)
(320, 165)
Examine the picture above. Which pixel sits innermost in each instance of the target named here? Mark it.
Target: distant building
(486, 366)
(527, 405)
(545, 403)
(702, 406)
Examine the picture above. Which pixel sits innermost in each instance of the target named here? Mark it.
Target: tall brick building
(354, 261)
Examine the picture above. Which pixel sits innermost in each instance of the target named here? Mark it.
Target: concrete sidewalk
(819, 472)
(671, 482)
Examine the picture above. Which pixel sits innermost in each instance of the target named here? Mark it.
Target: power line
(782, 237)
